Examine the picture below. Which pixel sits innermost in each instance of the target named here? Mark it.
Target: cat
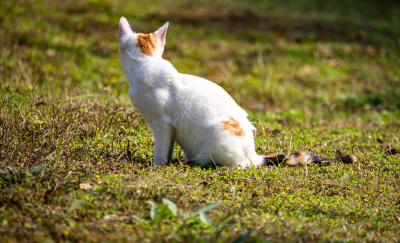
(194, 112)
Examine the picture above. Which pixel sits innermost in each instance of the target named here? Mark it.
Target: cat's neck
(151, 65)
(144, 59)
(153, 62)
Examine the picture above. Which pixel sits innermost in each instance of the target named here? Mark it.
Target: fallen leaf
(305, 70)
(110, 217)
(205, 183)
(85, 186)
(49, 193)
(389, 150)
(40, 103)
(51, 52)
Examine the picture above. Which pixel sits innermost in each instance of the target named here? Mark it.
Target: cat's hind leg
(171, 149)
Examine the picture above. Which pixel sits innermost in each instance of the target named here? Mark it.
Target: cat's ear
(124, 27)
(161, 33)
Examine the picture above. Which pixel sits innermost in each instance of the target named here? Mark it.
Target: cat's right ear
(124, 27)
(162, 32)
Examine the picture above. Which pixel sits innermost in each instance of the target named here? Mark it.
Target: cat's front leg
(163, 142)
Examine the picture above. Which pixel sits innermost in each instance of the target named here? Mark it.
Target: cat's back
(204, 97)
(205, 90)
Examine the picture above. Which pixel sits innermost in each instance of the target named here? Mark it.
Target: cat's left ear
(124, 27)
(161, 33)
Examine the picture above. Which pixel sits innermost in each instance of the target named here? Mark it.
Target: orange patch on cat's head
(147, 43)
(233, 127)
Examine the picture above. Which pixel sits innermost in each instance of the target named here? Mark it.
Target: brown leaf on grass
(50, 52)
(338, 153)
(110, 217)
(85, 186)
(205, 183)
(389, 150)
(48, 194)
(305, 70)
(273, 132)
(39, 103)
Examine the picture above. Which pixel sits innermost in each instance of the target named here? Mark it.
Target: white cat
(196, 113)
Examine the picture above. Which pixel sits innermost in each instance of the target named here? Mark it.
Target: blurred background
(298, 55)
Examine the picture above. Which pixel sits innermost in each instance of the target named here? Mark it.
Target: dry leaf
(389, 150)
(39, 103)
(110, 217)
(85, 186)
(305, 70)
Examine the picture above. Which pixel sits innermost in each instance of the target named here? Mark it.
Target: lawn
(317, 76)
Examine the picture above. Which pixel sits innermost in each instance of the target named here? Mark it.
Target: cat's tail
(306, 158)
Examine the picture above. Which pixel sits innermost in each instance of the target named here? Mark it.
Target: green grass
(318, 76)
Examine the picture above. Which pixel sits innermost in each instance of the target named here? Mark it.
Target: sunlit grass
(76, 158)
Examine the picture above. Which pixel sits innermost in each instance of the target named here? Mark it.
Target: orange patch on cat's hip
(233, 127)
(147, 43)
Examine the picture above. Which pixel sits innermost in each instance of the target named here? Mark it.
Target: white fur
(183, 108)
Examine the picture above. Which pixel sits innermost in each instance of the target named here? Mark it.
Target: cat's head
(138, 45)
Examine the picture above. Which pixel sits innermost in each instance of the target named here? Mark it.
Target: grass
(75, 157)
